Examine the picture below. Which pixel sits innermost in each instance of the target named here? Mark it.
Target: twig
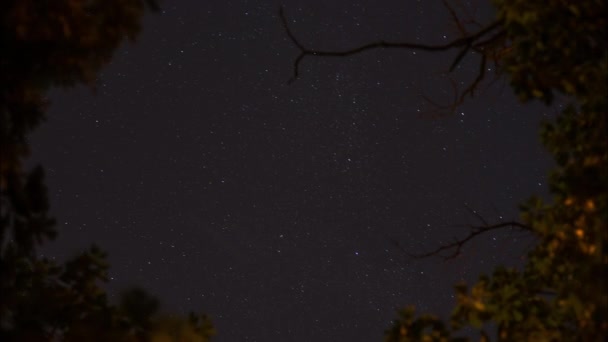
(470, 90)
(455, 18)
(477, 215)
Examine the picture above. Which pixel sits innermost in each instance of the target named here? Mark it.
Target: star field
(220, 188)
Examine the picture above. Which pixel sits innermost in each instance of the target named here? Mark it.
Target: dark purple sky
(220, 188)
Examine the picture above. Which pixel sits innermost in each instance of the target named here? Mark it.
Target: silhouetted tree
(544, 48)
(47, 44)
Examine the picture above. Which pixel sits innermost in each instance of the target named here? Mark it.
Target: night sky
(220, 188)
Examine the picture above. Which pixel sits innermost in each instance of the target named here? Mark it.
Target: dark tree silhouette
(543, 48)
(46, 44)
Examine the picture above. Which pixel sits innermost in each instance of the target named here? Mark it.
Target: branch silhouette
(473, 42)
(454, 248)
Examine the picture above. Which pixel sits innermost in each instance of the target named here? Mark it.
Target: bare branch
(455, 247)
(465, 43)
(477, 215)
(497, 37)
(451, 107)
(470, 90)
(455, 18)
(288, 31)
(459, 57)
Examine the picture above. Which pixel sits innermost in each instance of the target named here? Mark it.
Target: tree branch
(455, 247)
(455, 18)
(477, 215)
(470, 90)
(465, 43)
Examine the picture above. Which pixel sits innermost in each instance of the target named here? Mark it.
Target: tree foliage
(544, 48)
(553, 47)
(47, 44)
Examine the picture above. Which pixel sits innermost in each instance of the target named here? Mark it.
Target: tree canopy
(47, 44)
(552, 47)
(549, 48)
